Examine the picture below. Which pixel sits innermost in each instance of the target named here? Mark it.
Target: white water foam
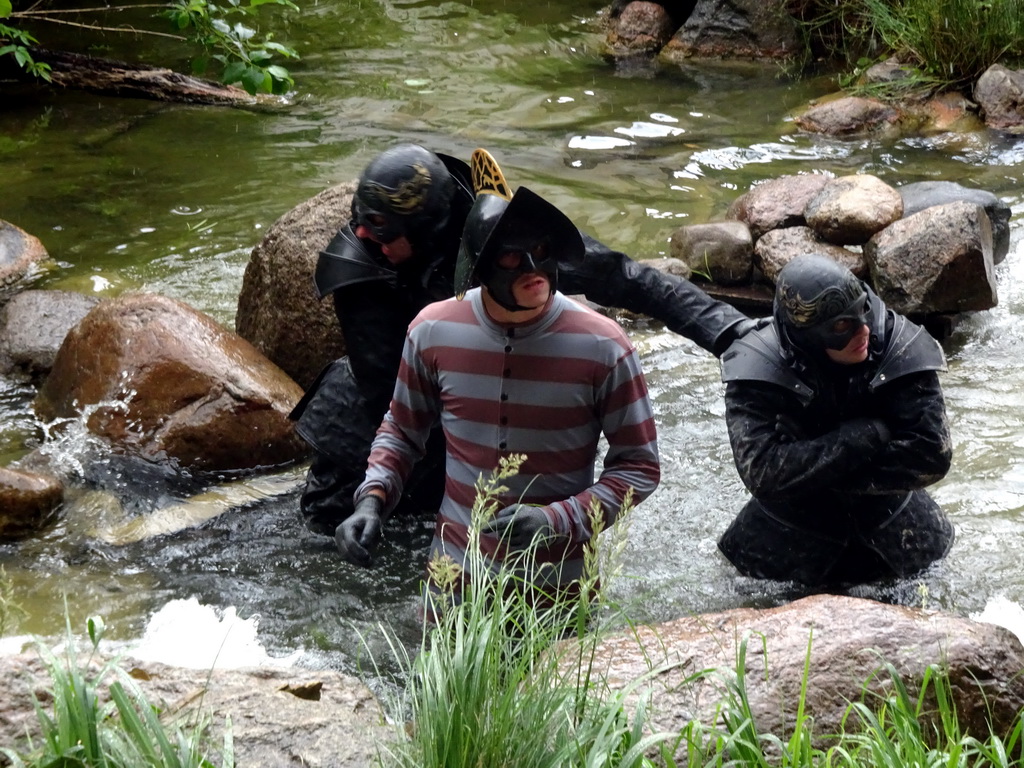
(185, 633)
(1003, 612)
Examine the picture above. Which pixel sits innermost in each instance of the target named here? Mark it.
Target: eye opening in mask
(513, 258)
(845, 325)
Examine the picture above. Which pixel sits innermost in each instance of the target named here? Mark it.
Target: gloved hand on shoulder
(519, 524)
(358, 534)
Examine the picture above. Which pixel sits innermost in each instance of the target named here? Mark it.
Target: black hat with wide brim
(493, 222)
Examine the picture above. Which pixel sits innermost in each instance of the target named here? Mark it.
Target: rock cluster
(927, 248)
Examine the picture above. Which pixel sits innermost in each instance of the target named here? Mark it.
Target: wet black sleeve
(612, 279)
(771, 467)
(374, 325)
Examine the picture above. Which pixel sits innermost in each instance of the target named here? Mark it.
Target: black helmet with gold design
(405, 191)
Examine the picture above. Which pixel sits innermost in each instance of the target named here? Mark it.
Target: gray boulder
(736, 28)
(850, 209)
(1000, 94)
(33, 325)
(925, 194)
(278, 312)
(720, 251)
(936, 261)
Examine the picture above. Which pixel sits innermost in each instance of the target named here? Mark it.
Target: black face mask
(819, 305)
(526, 258)
(835, 331)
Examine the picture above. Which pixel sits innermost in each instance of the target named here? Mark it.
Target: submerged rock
(27, 502)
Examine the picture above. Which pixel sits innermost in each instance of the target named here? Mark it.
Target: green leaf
(5, 8)
(255, 80)
(260, 58)
(233, 72)
(96, 628)
(284, 50)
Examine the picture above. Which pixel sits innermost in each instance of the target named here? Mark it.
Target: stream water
(130, 195)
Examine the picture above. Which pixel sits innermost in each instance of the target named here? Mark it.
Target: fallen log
(110, 77)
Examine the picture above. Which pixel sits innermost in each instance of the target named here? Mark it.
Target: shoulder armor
(461, 175)
(910, 349)
(345, 261)
(757, 356)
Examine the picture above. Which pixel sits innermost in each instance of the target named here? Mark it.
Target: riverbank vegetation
(498, 680)
(224, 39)
(944, 44)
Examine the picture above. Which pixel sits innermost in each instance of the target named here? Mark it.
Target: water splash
(185, 633)
(1003, 612)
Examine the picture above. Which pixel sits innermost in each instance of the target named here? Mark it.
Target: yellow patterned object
(487, 176)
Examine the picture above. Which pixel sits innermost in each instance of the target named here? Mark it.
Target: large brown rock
(641, 27)
(936, 261)
(27, 502)
(843, 641)
(780, 246)
(850, 116)
(720, 251)
(278, 311)
(278, 716)
(160, 380)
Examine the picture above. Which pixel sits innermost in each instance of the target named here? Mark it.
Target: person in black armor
(837, 424)
(395, 256)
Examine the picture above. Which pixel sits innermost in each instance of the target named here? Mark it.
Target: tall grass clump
(493, 685)
(79, 730)
(944, 44)
(953, 41)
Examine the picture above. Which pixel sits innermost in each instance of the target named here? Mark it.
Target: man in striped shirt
(516, 368)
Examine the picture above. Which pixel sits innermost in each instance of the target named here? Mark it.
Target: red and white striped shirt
(547, 389)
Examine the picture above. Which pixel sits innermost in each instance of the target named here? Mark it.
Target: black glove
(519, 524)
(788, 429)
(358, 534)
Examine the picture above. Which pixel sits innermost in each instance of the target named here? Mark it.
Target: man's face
(396, 251)
(530, 289)
(856, 350)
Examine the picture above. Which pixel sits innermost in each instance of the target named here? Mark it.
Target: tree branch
(98, 28)
(35, 14)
